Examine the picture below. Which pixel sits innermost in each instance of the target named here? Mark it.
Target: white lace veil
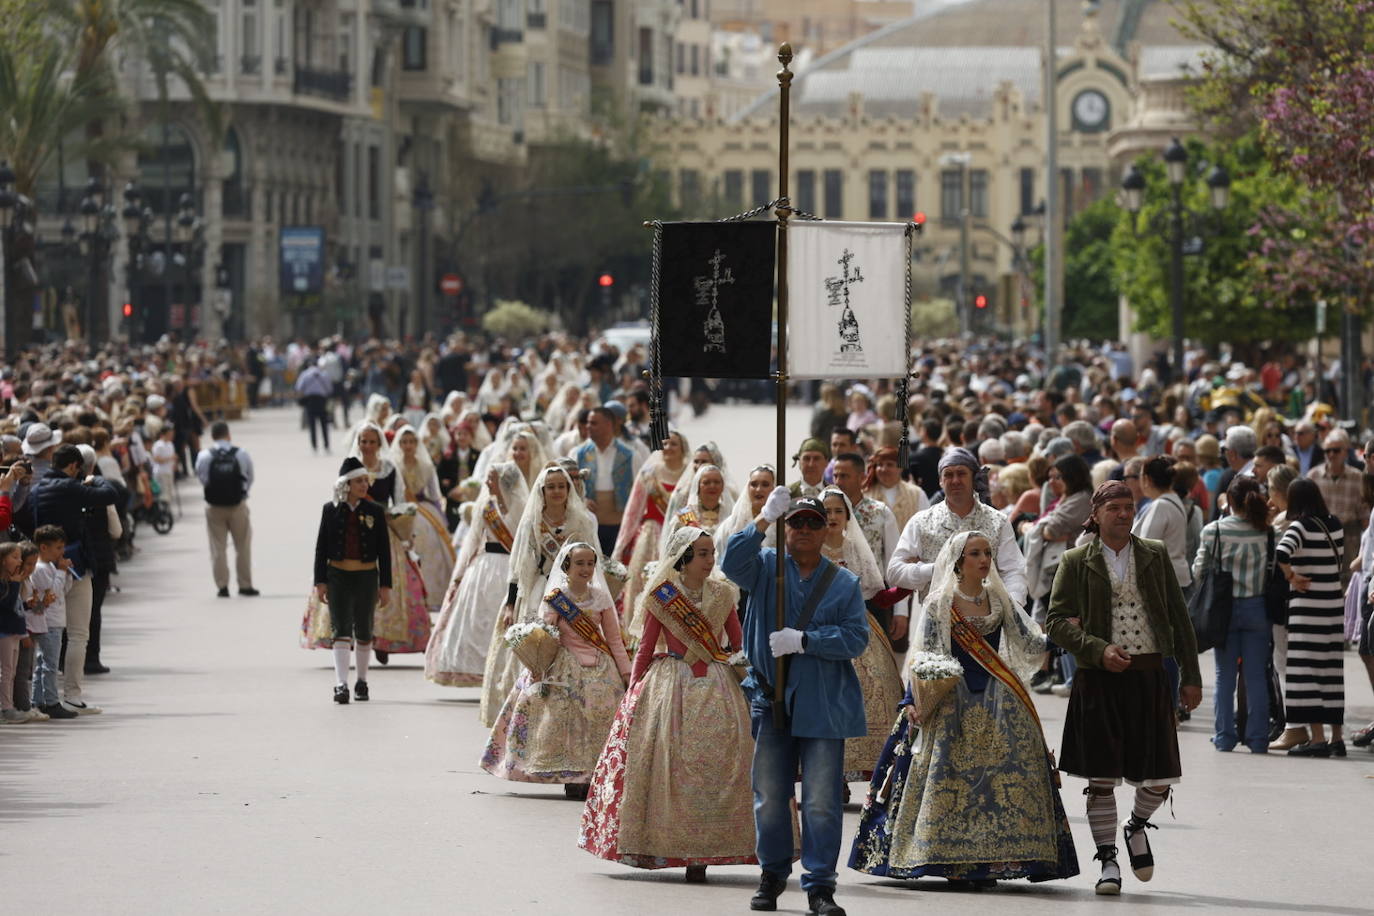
(1022, 642)
(434, 441)
(671, 522)
(742, 515)
(579, 524)
(515, 493)
(858, 556)
(383, 453)
(684, 490)
(558, 578)
(422, 458)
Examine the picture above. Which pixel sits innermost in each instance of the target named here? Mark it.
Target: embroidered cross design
(708, 293)
(838, 290)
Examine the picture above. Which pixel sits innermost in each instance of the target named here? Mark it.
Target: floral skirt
(502, 667)
(457, 652)
(970, 796)
(552, 730)
(644, 554)
(882, 689)
(402, 623)
(435, 552)
(672, 787)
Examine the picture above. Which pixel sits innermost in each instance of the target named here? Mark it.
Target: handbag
(1209, 608)
(1275, 588)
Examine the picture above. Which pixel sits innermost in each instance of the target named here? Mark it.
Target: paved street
(222, 779)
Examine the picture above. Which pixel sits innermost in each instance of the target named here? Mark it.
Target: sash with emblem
(688, 517)
(582, 624)
(497, 525)
(977, 646)
(659, 495)
(550, 543)
(690, 625)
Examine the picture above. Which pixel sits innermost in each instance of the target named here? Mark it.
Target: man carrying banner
(827, 627)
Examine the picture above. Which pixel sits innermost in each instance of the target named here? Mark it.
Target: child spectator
(165, 461)
(52, 579)
(34, 623)
(12, 631)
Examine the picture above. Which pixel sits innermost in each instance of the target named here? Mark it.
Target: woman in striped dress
(1309, 555)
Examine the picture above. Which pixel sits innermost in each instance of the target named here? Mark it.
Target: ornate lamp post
(1176, 223)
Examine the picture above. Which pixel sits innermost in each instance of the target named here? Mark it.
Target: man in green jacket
(1117, 606)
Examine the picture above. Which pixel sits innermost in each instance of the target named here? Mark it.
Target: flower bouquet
(401, 518)
(933, 676)
(739, 663)
(535, 644)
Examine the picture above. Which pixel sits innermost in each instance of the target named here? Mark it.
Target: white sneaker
(35, 714)
(82, 709)
(1061, 690)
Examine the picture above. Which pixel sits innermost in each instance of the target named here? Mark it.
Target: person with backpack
(226, 472)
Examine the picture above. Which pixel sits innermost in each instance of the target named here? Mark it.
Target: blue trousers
(1247, 641)
(777, 756)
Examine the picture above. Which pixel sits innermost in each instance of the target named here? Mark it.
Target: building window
(951, 194)
(1066, 194)
(413, 48)
(356, 176)
(538, 97)
(906, 194)
(603, 32)
(689, 186)
(681, 62)
(733, 190)
(877, 194)
(646, 57)
(834, 194)
(536, 14)
(251, 61)
(696, 60)
(374, 183)
(759, 182)
(1091, 183)
(978, 192)
(806, 191)
(1027, 191)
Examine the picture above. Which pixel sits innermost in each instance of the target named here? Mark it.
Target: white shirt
(605, 468)
(46, 576)
(1119, 562)
(909, 569)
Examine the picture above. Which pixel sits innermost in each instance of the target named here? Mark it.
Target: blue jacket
(823, 696)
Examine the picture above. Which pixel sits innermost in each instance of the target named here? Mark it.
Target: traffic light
(920, 218)
(128, 310)
(980, 301)
(606, 280)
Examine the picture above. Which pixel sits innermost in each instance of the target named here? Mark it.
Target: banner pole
(782, 211)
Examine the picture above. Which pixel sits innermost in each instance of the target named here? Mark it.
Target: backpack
(225, 484)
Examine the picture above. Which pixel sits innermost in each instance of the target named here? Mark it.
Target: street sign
(398, 278)
(302, 259)
(376, 275)
(451, 284)
(1193, 246)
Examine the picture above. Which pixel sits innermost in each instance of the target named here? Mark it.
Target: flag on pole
(846, 288)
(715, 306)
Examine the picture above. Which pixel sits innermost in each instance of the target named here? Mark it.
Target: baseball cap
(804, 504)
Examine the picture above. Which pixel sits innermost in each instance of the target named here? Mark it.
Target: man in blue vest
(611, 465)
(827, 627)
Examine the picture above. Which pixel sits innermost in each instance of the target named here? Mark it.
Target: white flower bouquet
(535, 644)
(933, 677)
(401, 518)
(739, 662)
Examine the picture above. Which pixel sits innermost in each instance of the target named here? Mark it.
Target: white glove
(776, 505)
(786, 641)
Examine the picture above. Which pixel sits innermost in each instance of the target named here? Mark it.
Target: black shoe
(1108, 885)
(1039, 678)
(1184, 715)
(58, 711)
(696, 874)
(383, 656)
(341, 694)
(360, 692)
(249, 592)
(1364, 737)
(821, 901)
(224, 592)
(770, 889)
(1308, 749)
(1337, 748)
(577, 791)
(1142, 863)
(96, 668)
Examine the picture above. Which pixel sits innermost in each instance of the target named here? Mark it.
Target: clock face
(1090, 109)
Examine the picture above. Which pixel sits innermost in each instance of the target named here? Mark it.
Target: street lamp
(1181, 221)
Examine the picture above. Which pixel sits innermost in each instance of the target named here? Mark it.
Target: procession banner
(716, 299)
(846, 287)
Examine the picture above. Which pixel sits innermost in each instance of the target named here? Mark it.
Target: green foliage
(932, 319)
(1091, 293)
(1223, 296)
(514, 320)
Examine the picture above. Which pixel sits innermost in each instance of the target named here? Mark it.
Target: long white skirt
(457, 652)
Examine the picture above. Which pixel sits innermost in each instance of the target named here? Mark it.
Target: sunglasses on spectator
(806, 521)
(1334, 451)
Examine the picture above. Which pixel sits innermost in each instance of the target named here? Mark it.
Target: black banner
(716, 299)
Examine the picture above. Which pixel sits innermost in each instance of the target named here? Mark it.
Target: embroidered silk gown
(672, 785)
(431, 541)
(637, 546)
(552, 730)
(971, 794)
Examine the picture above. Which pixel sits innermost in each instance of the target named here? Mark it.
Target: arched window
(166, 168)
(235, 193)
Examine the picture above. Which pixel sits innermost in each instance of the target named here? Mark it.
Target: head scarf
(558, 579)
(384, 465)
(1112, 489)
(684, 489)
(858, 555)
(515, 491)
(527, 559)
(962, 457)
(693, 500)
(1023, 642)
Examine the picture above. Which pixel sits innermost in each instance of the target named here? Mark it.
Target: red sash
(497, 525)
(693, 623)
(974, 643)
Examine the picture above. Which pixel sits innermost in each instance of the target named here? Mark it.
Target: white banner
(846, 288)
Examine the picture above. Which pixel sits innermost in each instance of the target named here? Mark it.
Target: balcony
(501, 37)
(250, 64)
(535, 21)
(329, 84)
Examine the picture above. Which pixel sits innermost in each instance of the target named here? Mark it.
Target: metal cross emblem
(838, 290)
(707, 292)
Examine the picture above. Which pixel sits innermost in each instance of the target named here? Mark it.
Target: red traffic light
(128, 310)
(980, 302)
(920, 218)
(606, 280)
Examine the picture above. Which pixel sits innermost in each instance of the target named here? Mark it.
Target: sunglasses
(806, 521)
(1334, 451)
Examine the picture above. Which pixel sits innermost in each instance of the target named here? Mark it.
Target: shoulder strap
(1330, 543)
(814, 599)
